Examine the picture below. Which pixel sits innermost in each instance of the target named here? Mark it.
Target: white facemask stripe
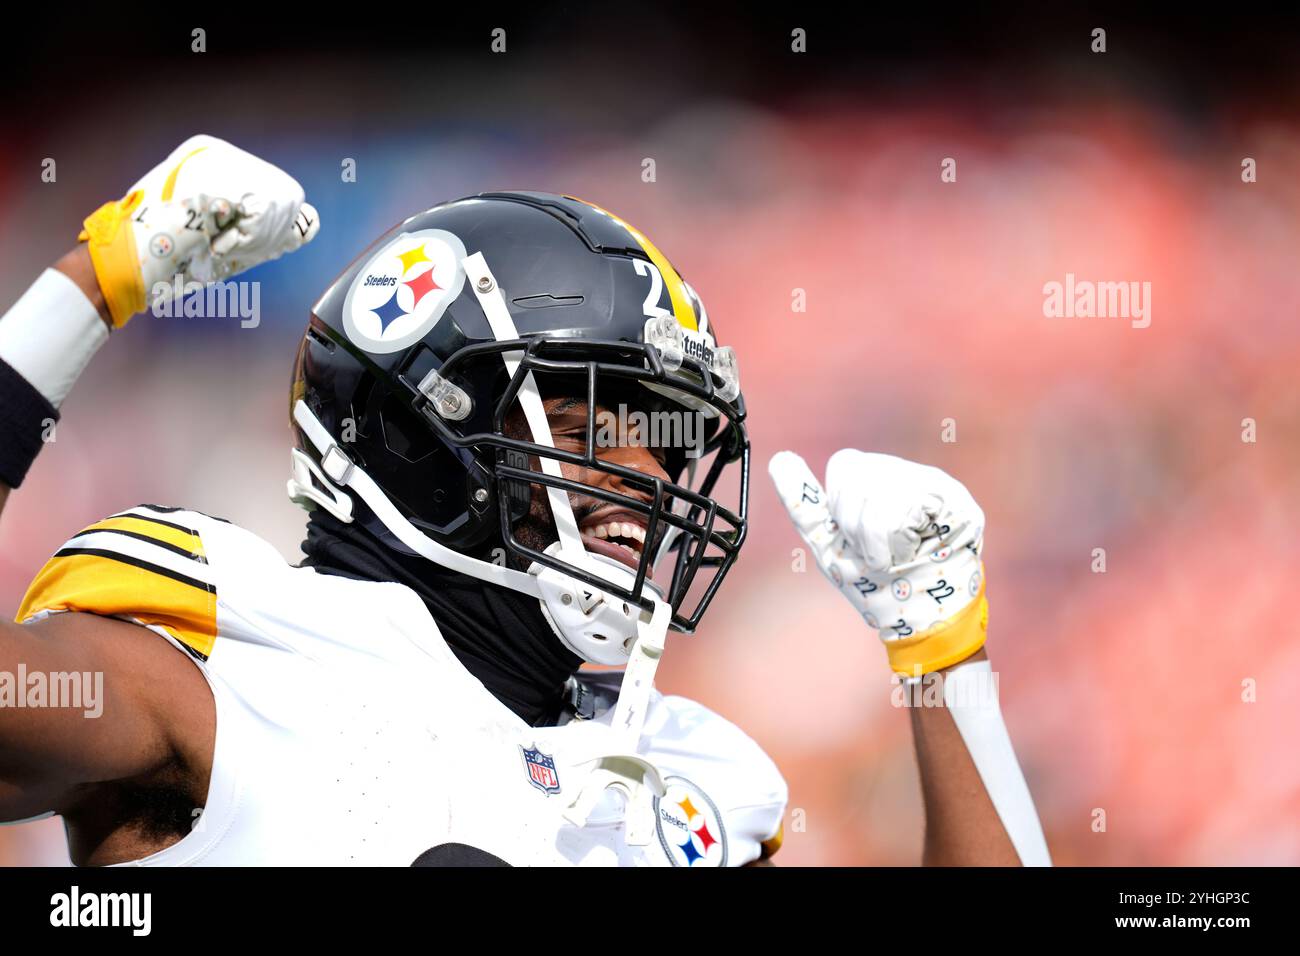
(494, 307)
(369, 492)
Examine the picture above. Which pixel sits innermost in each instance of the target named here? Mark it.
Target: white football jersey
(349, 733)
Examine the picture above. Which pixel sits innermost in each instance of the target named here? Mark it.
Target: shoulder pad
(147, 564)
(750, 787)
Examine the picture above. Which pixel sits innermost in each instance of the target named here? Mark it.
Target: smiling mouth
(618, 536)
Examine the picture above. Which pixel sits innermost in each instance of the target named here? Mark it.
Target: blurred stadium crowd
(1123, 690)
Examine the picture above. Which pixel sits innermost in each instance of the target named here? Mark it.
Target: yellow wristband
(117, 262)
(946, 643)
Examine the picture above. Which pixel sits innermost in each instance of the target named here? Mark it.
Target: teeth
(620, 529)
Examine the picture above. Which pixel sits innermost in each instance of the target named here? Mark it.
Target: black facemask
(499, 635)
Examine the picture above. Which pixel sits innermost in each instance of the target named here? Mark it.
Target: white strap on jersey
(638, 679)
(969, 694)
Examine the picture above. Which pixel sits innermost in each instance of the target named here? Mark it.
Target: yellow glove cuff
(946, 643)
(116, 260)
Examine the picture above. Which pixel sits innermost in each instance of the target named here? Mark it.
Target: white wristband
(50, 334)
(970, 694)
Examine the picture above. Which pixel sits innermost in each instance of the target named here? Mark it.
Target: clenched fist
(902, 542)
(207, 212)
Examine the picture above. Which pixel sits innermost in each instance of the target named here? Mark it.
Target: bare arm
(142, 704)
(143, 707)
(157, 714)
(961, 826)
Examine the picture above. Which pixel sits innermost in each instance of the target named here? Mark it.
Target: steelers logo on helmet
(403, 290)
(690, 826)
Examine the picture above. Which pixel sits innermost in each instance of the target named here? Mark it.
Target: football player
(411, 692)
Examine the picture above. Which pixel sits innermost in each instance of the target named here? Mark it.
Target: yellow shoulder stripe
(166, 533)
(85, 577)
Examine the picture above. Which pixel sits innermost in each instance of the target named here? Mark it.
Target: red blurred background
(1123, 690)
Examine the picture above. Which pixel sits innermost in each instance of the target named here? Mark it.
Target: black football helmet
(415, 356)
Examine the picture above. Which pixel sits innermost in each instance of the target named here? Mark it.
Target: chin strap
(340, 470)
(638, 678)
(621, 766)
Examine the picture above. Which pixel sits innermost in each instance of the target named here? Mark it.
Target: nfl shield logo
(541, 770)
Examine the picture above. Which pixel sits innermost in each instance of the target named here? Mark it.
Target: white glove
(902, 542)
(207, 212)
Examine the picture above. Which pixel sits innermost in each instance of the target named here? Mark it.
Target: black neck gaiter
(499, 635)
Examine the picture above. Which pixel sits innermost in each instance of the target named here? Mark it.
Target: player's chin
(532, 535)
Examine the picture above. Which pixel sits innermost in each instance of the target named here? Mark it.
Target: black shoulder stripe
(165, 545)
(168, 510)
(153, 520)
(193, 652)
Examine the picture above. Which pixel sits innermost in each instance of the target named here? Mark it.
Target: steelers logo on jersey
(404, 289)
(690, 826)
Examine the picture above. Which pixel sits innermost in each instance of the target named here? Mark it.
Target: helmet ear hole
(405, 435)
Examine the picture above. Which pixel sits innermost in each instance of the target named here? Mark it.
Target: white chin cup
(598, 627)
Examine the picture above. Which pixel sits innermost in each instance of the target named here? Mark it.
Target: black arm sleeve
(24, 413)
